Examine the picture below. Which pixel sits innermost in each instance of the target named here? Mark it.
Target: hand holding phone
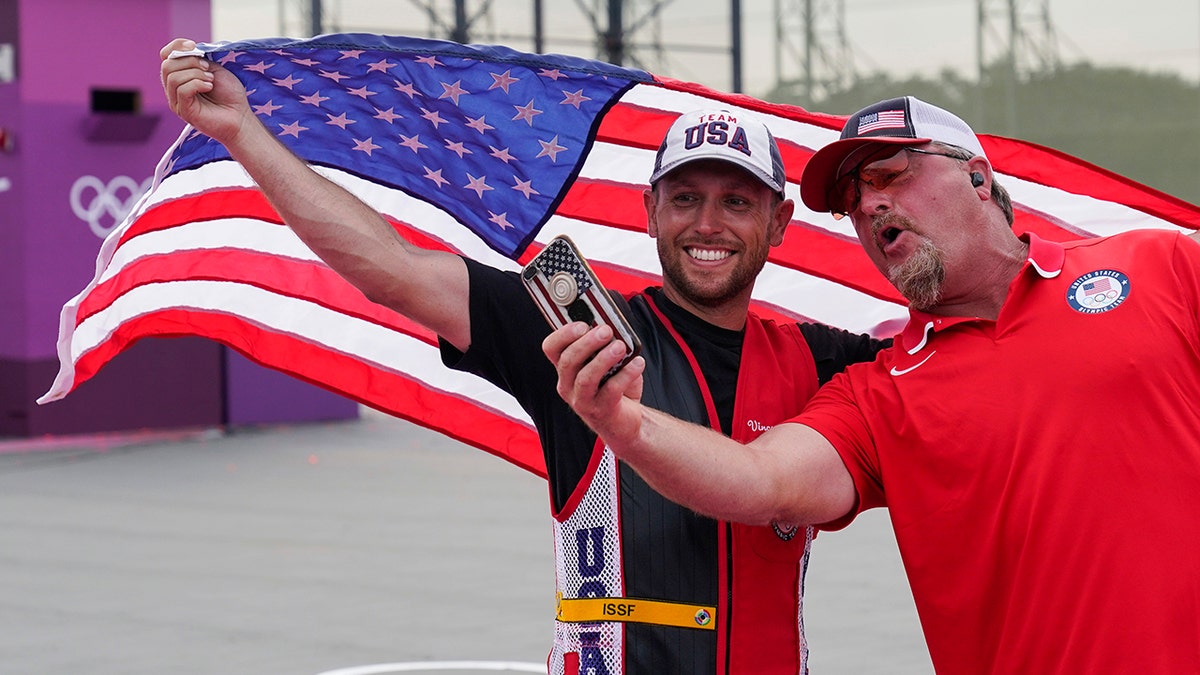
(565, 289)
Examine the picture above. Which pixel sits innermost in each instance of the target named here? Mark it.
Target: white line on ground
(377, 669)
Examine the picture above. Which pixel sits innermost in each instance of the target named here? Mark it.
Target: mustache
(886, 227)
(884, 221)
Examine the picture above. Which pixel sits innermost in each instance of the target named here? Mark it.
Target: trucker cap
(901, 122)
(721, 134)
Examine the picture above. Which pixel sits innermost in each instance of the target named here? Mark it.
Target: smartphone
(566, 289)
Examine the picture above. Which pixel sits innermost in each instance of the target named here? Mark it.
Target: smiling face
(714, 223)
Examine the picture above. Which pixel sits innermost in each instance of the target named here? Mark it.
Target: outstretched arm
(430, 287)
(790, 474)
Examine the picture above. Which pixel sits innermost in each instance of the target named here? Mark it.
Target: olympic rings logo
(103, 206)
(1098, 291)
(1099, 299)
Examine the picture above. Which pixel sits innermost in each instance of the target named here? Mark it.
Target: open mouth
(888, 235)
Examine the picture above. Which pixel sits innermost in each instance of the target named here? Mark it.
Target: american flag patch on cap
(887, 119)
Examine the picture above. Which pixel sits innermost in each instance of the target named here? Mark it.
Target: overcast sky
(902, 37)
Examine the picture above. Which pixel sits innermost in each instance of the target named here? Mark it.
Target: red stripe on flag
(248, 203)
(1047, 166)
(308, 281)
(634, 126)
(210, 205)
(390, 392)
(605, 203)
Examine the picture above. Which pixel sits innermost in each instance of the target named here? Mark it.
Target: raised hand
(204, 94)
(582, 357)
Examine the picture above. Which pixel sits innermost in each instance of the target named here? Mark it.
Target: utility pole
(315, 19)
(614, 37)
(1015, 40)
(813, 58)
(539, 27)
(459, 28)
(735, 44)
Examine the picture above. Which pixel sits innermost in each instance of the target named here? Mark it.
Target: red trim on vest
(759, 632)
(714, 421)
(583, 485)
(777, 374)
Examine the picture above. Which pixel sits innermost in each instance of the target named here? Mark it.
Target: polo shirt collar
(1045, 257)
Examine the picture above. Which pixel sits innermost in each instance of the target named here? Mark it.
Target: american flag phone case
(564, 287)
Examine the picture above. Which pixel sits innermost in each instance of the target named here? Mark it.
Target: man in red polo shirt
(1033, 431)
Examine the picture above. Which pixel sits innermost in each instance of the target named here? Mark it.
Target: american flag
(487, 152)
(583, 299)
(887, 119)
(558, 257)
(1100, 285)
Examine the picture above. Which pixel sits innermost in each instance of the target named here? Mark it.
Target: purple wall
(52, 221)
(67, 48)
(12, 235)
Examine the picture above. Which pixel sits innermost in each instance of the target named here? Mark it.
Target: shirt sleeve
(506, 335)
(507, 330)
(1187, 269)
(834, 349)
(836, 413)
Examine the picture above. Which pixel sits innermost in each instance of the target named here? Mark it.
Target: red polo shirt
(1042, 471)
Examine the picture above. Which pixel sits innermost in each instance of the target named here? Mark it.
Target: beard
(919, 278)
(705, 290)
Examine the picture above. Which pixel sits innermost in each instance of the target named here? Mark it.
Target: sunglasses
(878, 172)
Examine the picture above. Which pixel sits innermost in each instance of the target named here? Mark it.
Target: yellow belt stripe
(590, 610)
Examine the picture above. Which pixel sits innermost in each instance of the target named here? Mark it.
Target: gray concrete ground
(331, 548)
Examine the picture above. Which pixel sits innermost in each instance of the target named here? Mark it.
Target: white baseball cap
(720, 134)
(901, 122)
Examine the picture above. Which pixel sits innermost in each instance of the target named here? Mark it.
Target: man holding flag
(644, 585)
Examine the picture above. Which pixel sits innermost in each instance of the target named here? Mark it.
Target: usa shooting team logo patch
(1097, 292)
